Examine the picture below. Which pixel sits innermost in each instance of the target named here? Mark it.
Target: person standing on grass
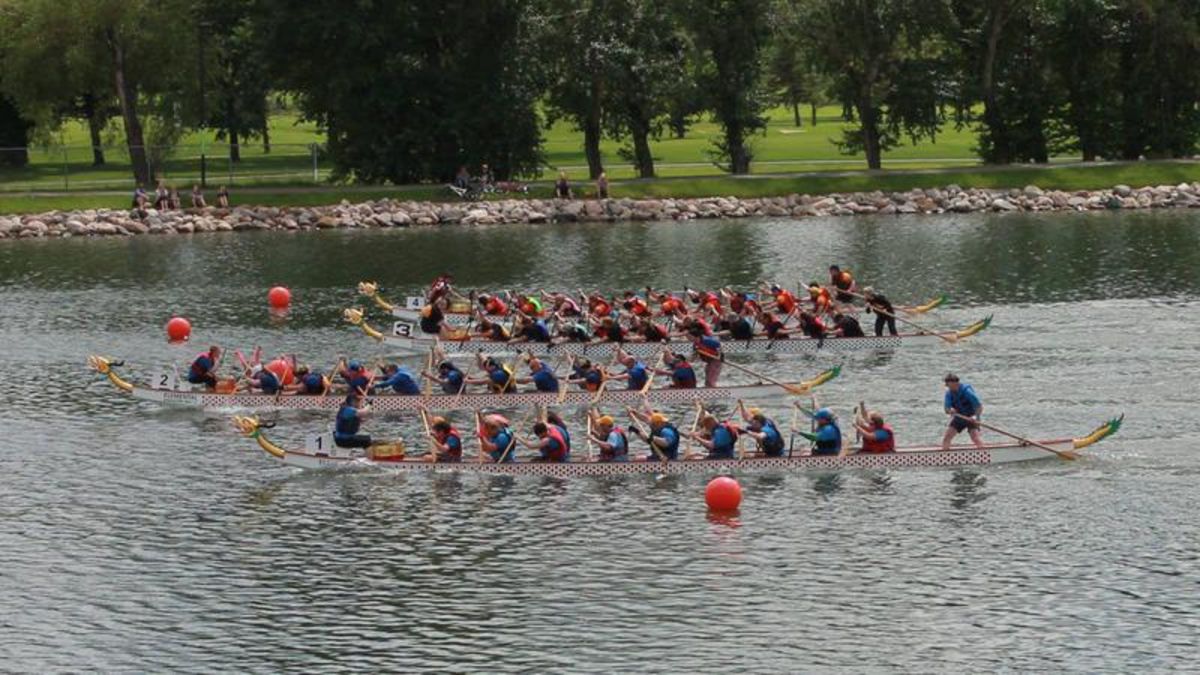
(562, 188)
(197, 198)
(223, 197)
(602, 186)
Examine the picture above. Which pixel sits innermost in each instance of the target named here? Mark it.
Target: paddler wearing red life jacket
(611, 439)
(811, 326)
(491, 305)
(645, 330)
(719, 438)
(204, 368)
(822, 302)
(843, 281)
(635, 305)
(877, 436)
(784, 302)
(598, 306)
(447, 442)
(552, 445)
(682, 375)
(586, 374)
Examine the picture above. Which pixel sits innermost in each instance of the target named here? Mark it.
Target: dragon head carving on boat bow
(105, 366)
(370, 289)
(251, 427)
(355, 317)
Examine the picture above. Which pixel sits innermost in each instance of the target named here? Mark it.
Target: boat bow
(251, 427)
(106, 367)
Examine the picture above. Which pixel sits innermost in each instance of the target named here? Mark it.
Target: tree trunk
(95, 127)
(813, 113)
(739, 154)
(869, 119)
(1001, 151)
(127, 96)
(235, 147)
(266, 135)
(641, 148)
(796, 112)
(591, 131)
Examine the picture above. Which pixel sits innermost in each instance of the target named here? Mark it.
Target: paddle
(607, 379)
(646, 433)
(653, 371)
(1062, 454)
(695, 425)
(791, 389)
(433, 444)
(589, 435)
(952, 338)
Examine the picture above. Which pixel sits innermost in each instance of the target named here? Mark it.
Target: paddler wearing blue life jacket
(663, 436)
(399, 380)
(719, 438)
(497, 376)
(827, 438)
(551, 444)
(497, 438)
(348, 422)
(636, 373)
(308, 382)
(531, 330)
(448, 377)
(204, 368)
(541, 375)
(764, 431)
(961, 402)
(610, 439)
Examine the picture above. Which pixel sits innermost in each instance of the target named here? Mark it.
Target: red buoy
(178, 329)
(282, 370)
(279, 297)
(723, 494)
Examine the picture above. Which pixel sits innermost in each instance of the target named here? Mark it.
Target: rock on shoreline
(395, 213)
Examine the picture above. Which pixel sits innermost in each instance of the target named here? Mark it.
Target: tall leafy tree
(1084, 57)
(733, 36)
(14, 135)
(235, 73)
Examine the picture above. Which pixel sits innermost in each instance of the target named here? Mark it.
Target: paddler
(682, 375)
(492, 330)
(737, 327)
(877, 436)
(586, 374)
(822, 301)
(610, 439)
(531, 330)
(885, 314)
(447, 442)
(573, 331)
(491, 305)
(663, 435)
(498, 377)
(554, 448)
(204, 368)
(529, 306)
(961, 402)
(719, 438)
(497, 439)
(764, 431)
(449, 377)
(784, 302)
(845, 325)
(645, 330)
(400, 380)
(708, 349)
(349, 419)
(635, 305)
(827, 438)
(636, 372)
(356, 377)
(773, 327)
(541, 375)
(843, 281)
(265, 380)
(308, 382)
(811, 325)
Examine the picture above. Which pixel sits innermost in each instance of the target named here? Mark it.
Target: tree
(886, 66)
(14, 135)
(409, 91)
(732, 35)
(235, 69)
(1083, 55)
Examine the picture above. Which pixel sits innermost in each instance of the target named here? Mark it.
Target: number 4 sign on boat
(414, 302)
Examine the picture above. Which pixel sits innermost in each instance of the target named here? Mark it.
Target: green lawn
(782, 148)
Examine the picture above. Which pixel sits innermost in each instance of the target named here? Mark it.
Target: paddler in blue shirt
(682, 375)
(349, 420)
(532, 330)
(550, 443)
(663, 435)
(764, 431)
(827, 439)
(964, 408)
(541, 375)
(719, 438)
(499, 378)
(308, 382)
(636, 372)
(449, 377)
(610, 438)
(204, 368)
(497, 439)
(356, 377)
(400, 380)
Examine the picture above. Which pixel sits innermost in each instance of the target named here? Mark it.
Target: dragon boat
(408, 337)
(393, 458)
(459, 311)
(209, 400)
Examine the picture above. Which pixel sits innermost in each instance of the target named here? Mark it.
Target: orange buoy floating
(723, 494)
(279, 297)
(178, 329)
(282, 370)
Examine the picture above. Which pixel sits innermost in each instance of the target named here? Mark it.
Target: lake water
(136, 539)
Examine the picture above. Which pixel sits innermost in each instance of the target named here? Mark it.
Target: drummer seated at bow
(204, 368)
(663, 437)
(530, 329)
(497, 376)
(718, 438)
(400, 380)
(827, 438)
(549, 441)
(448, 377)
(609, 438)
(496, 439)
(541, 375)
(764, 431)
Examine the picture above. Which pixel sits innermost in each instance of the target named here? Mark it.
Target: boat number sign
(414, 302)
(165, 379)
(403, 329)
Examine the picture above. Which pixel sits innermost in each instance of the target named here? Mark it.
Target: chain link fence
(69, 168)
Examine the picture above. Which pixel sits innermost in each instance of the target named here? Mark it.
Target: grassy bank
(1063, 177)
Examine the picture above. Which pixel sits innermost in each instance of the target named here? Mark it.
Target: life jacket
(708, 348)
(736, 303)
(502, 440)
(683, 376)
(843, 280)
(312, 383)
(812, 326)
(531, 306)
(496, 307)
(821, 301)
(558, 454)
(871, 444)
(705, 328)
(569, 307)
(565, 434)
(725, 451)
(404, 384)
(545, 380)
(772, 445)
(601, 308)
(961, 401)
(611, 455)
(501, 381)
(453, 383)
(785, 301)
(637, 375)
(347, 423)
(671, 305)
(829, 444)
(201, 366)
(637, 306)
(710, 299)
(455, 453)
(269, 382)
(672, 449)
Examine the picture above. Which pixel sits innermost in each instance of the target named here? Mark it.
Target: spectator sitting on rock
(562, 188)
(140, 198)
(162, 197)
(174, 202)
(223, 197)
(197, 198)
(602, 186)
(462, 179)
(486, 177)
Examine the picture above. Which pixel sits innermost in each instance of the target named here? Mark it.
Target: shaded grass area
(1070, 177)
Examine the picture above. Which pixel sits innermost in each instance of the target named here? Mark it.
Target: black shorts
(355, 441)
(960, 424)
